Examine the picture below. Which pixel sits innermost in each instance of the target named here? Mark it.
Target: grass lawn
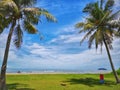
(60, 82)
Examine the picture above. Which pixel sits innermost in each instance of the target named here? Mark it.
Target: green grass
(60, 82)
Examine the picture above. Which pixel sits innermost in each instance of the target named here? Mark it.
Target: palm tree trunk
(4, 64)
(111, 63)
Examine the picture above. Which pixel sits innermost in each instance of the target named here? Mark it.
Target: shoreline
(27, 73)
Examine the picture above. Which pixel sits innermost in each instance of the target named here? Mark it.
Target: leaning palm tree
(19, 16)
(97, 27)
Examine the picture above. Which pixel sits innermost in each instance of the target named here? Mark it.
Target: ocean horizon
(27, 70)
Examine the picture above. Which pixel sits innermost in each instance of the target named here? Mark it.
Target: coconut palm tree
(97, 27)
(19, 16)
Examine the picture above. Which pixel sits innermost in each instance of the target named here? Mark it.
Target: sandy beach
(50, 72)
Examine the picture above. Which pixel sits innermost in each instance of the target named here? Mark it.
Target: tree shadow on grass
(89, 82)
(18, 86)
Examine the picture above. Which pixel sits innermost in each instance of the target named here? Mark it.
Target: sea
(27, 70)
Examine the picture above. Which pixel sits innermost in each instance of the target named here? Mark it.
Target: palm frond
(84, 26)
(32, 10)
(30, 28)
(90, 41)
(89, 7)
(111, 17)
(109, 5)
(79, 25)
(31, 14)
(25, 3)
(91, 20)
(81, 31)
(86, 35)
(117, 33)
(48, 16)
(104, 18)
(18, 36)
(99, 36)
(8, 6)
(4, 23)
(1, 28)
(88, 26)
(109, 32)
(108, 40)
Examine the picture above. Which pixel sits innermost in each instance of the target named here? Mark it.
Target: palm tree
(97, 27)
(19, 16)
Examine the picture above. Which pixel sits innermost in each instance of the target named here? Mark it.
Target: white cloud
(66, 39)
(68, 34)
(52, 58)
(37, 49)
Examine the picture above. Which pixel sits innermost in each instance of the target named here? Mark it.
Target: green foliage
(118, 71)
(18, 36)
(97, 26)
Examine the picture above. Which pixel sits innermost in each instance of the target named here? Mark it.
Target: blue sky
(60, 48)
